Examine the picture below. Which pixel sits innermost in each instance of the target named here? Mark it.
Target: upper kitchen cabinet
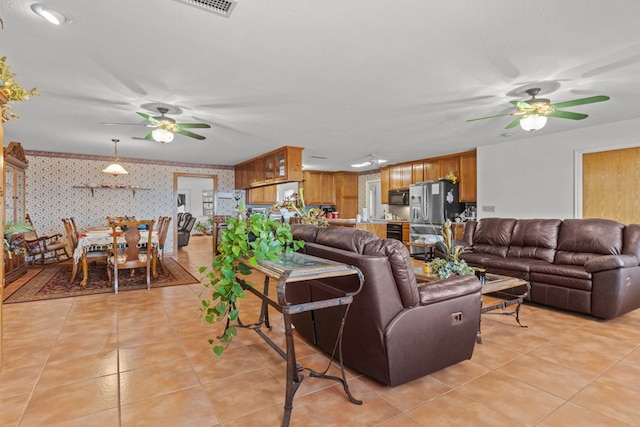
(417, 172)
(346, 186)
(319, 188)
(400, 176)
(468, 177)
(431, 170)
(281, 165)
(449, 165)
(264, 195)
(384, 185)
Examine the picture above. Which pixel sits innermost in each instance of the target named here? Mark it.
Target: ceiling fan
(533, 113)
(166, 127)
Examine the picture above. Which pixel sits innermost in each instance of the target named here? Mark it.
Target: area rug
(53, 282)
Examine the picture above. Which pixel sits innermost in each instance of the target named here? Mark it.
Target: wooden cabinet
(346, 187)
(417, 172)
(384, 185)
(468, 177)
(431, 170)
(400, 176)
(265, 195)
(405, 232)
(450, 164)
(319, 188)
(15, 165)
(281, 165)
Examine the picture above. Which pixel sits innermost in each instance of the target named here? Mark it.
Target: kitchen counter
(379, 228)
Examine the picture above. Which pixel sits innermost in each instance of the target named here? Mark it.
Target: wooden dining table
(101, 238)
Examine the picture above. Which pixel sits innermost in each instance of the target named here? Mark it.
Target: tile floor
(141, 359)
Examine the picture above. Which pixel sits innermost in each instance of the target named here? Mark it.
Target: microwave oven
(399, 197)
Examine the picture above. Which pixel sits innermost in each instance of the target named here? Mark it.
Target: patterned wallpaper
(51, 196)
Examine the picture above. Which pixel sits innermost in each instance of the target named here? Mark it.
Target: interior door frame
(174, 209)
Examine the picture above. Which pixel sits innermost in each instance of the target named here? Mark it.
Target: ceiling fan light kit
(114, 168)
(371, 162)
(532, 114)
(162, 135)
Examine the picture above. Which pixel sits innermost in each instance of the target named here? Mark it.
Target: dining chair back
(111, 219)
(40, 246)
(127, 254)
(163, 228)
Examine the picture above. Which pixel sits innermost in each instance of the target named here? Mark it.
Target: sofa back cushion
(401, 267)
(632, 240)
(346, 238)
(535, 239)
(582, 239)
(493, 236)
(304, 232)
(469, 229)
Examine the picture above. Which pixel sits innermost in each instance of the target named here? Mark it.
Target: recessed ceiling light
(49, 14)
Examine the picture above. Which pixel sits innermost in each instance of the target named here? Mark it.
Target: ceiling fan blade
(567, 115)
(190, 134)
(581, 101)
(514, 123)
(522, 105)
(489, 117)
(148, 117)
(193, 125)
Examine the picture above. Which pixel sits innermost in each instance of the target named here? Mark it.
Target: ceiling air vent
(219, 7)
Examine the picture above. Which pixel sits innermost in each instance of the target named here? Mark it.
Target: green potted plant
(12, 89)
(199, 228)
(11, 229)
(451, 264)
(253, 238)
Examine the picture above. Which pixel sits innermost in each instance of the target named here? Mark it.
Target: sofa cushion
(511, 264)
(401, 267)
(632, 240)
(535, 238)
(582, 239)
(493, 236)
(304, 232)
(349, 239)
(446, 289)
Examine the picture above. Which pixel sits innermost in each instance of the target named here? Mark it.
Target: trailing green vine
(254, 239)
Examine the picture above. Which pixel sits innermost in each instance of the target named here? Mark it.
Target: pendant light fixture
(114, 168)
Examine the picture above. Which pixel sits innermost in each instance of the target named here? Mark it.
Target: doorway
(196, 194)
(373, 200)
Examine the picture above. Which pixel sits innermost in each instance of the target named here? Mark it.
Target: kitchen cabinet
(319, 188)
(431, 170)
(346, 188)
(449, 164)
(278, 166)
(384, 185)
(468, 177)
(264, 195)
(405, 232)
(15, 165)
(400, 176)
(417, 172)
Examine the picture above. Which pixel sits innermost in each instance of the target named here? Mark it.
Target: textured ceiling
(344, 79)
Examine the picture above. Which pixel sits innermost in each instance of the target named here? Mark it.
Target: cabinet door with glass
(207, 203)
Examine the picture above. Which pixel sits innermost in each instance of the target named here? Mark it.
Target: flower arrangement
(12, 89)
(10, 230)
(295, 204)
(451, 264)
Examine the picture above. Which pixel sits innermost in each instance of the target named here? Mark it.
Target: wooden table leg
(85, 269)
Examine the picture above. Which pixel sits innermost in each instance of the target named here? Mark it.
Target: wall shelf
(132, 189)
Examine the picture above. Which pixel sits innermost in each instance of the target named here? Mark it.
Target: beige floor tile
(156, 353)
(409, 395)
(493, 355)
(77, 369)
(555, 379)
(611, 400)
(574, 415)
(234, 361)
(189, 407)
(154, 380)
(12, 408)
(19, 380)
(110, 417)
(565, 355)
(71, 401)
(460, 373)
(457, 409)
(527, 404)
(401, 421)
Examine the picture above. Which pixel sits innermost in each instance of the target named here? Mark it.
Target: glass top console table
(291, 270)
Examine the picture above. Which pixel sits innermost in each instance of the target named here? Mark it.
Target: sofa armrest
(446, 289)
(610, 262)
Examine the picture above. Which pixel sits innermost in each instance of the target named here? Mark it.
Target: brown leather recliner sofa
(584, 265)
(396, 329)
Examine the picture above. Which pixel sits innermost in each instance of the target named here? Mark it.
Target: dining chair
(91, 254)
(163, 228)
(111, 219)
(127, 254)
(40, 246)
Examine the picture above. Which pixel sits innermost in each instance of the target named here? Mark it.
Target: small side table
(288, 270)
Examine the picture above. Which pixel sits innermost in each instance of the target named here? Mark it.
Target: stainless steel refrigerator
(431, 203)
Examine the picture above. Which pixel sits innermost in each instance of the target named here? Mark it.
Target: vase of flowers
(451, 264)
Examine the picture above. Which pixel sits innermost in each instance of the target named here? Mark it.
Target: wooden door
(610, 185)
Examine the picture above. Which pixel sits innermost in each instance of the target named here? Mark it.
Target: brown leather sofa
(583, 265)
(397, 329)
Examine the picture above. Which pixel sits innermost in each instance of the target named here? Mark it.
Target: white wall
(536, 177)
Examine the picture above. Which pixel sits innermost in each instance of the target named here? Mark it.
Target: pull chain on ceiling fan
(533, 113)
